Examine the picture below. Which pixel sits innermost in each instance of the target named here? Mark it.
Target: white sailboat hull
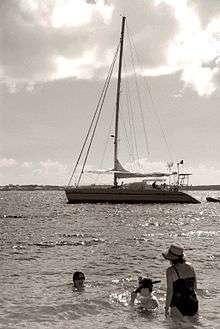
(121, 195)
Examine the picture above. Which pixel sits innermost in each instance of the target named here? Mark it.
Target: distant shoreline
(33, 187)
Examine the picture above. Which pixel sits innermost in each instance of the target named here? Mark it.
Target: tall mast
(118, 100)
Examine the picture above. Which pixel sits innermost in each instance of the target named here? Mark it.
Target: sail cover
(121, 172)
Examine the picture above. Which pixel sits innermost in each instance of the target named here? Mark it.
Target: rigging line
(153, 104)
(131, 42)
(91, 140)
(133, 130)
(126, 133)
(106, 145)
(129, 107)
(97, 107)
(130, 146)
(97, 120)
(94, 115)
(158, 118)
(130, 117)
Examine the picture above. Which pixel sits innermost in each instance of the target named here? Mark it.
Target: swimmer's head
(146, 283)
(78, 279)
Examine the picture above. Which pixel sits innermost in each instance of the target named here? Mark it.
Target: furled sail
(132, 175)
(121, 172)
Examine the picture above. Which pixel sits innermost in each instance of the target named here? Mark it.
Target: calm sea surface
(44, 240)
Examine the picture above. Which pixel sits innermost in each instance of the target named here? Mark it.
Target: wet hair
(146, 283)
(138, 290)
(149, 287)
(78, 275)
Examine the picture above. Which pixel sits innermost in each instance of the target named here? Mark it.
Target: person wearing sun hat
(181, 297)
(174, 252)
(147, 300)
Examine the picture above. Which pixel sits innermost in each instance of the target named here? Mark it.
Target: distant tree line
(31, 187)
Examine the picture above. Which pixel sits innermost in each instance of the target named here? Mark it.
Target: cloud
(201, 79)
(31, 45)
(52, 172)
(144, 165)
(80, 12)
(52, 166)
(53, 39)
(78, 67)
(194, 45)
(201, 174)
(38, 38)
(27, 164)
(44, 172)
(207, 10)
(4, 162)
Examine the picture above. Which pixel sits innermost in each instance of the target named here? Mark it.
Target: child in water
(78, 280)
(146, 298)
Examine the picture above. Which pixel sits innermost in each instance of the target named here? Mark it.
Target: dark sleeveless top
(184, 295)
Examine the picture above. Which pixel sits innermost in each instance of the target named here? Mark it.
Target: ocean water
(44, 240)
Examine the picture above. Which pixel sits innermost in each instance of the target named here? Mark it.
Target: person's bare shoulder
(170, 273)
(169, 270)
(190, 267)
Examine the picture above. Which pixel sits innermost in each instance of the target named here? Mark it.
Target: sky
(54, 58)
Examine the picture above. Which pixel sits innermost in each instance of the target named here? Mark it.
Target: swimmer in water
(144, 293)
(181, 299)
(78, 280)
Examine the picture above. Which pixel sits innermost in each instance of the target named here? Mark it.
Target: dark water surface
(44, 240)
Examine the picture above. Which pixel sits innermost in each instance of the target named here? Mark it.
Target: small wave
(200, 233)
(51, 244)
(27, 258)
(11, 216)
(18, 246)
(204, 293)
(47, 273)
(121, 298)
(54, 244)
(14, 275)
(209, 293)
(74, 235)
(45, 244)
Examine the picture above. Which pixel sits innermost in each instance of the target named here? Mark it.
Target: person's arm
(169, 293)
(195, 282)
(133, 297)
(153, 304)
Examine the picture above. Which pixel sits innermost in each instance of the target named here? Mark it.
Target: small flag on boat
(181, 162)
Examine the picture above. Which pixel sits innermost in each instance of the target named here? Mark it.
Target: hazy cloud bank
(51, 172)
(53, 39)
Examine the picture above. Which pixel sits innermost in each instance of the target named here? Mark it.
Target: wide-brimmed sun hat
(174, 252)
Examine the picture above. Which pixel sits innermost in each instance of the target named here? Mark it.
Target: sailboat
(121, 193)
